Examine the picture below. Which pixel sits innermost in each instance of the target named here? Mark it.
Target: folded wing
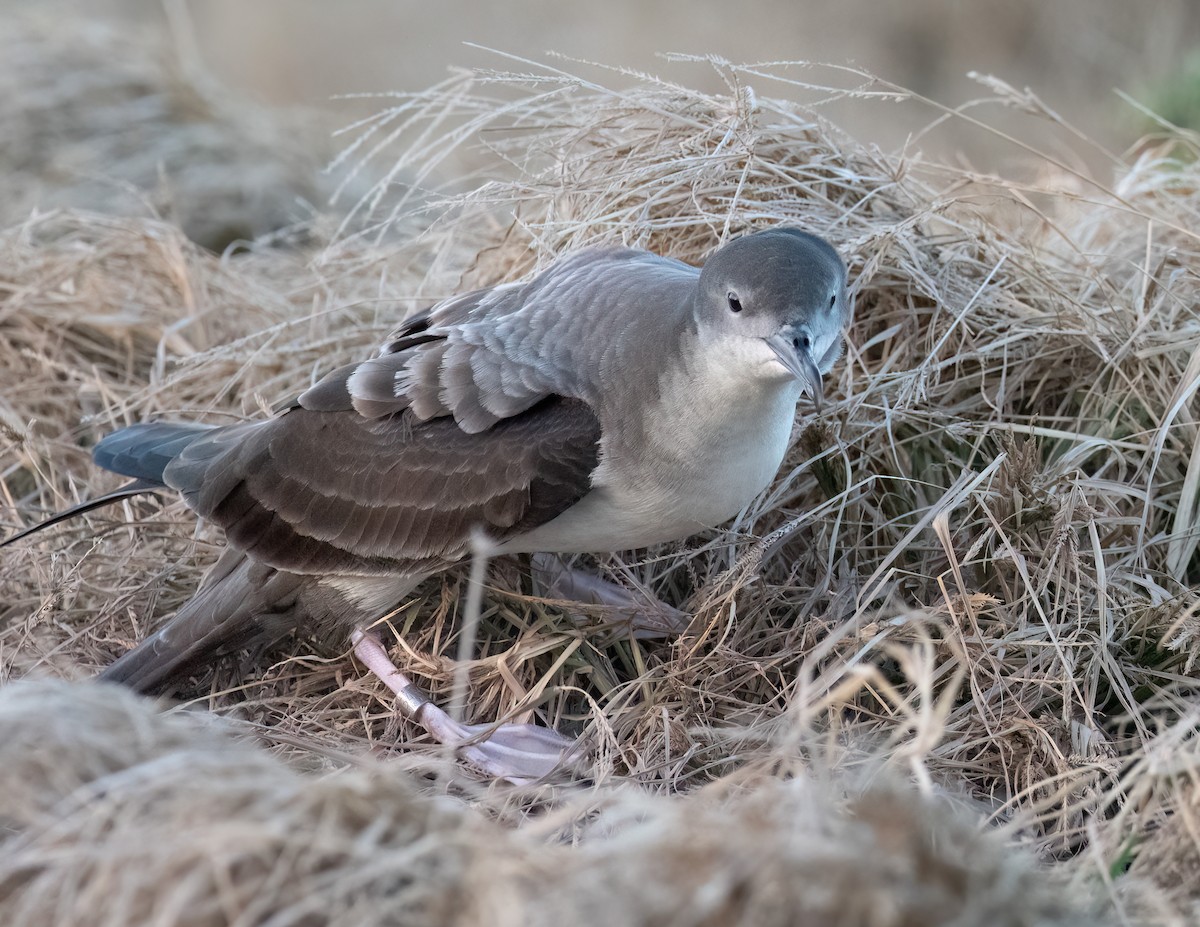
(337, 493)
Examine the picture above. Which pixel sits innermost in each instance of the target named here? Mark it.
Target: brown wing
(333, 492)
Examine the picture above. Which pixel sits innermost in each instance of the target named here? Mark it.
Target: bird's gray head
(778, 299)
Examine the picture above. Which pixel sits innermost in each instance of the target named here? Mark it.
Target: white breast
(715, 439)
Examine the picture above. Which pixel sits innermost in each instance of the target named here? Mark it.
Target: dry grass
(975, 568)
(99, 842)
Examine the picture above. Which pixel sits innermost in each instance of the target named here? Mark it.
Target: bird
(615, 400)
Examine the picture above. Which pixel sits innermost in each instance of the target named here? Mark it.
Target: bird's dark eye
(832, 300)
(735, 304)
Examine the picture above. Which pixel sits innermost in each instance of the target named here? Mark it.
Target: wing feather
(482, 411)
(492, 354)
(334, 492)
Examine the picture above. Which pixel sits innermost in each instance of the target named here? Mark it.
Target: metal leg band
(411, 699)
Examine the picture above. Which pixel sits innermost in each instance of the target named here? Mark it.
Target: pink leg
(518, 752)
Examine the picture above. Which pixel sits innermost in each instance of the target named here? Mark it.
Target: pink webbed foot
(520, 753)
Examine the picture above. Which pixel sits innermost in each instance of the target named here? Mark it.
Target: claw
(519, 753)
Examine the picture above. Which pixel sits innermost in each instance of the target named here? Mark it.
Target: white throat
(711, 443)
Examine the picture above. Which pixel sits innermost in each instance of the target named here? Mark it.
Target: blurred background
(1072, 53)
(64, 65)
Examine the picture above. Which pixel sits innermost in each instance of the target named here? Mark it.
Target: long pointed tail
(238, 604)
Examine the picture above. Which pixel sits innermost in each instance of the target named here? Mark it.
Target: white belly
(707, 464)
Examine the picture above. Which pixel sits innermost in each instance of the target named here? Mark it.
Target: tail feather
(139, 451)
(144, 451)
(238, 604)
